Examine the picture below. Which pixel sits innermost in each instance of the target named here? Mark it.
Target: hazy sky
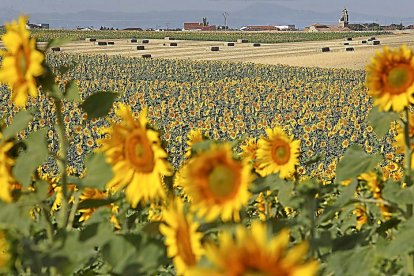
(397, 8)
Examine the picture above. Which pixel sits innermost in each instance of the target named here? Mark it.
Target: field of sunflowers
(126, 166)
(48, 35)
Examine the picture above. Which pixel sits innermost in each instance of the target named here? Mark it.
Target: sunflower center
(139, 152)
(400, 78)
(280, 152)
(184, 246)
(221, 181)
(21, 61)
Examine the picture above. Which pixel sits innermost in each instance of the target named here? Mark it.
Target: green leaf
(99, 104)
(381, 121)
(358, 261)
(403, 242)
(393, 192)
(20, 122)
(34, 156)
(98, 172)
(57, 42)
(72, 92)
(355, 162)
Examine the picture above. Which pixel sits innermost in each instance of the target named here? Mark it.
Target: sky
(397, 8)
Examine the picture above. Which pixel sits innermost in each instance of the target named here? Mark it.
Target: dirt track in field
(306, 54)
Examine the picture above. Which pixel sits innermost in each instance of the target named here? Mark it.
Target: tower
(344, 20)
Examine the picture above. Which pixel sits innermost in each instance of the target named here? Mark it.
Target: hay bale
(215, 48)
(169, 38)
(55, 49)
(133, 40)
(349, 49)
(372, 38)
(364, 42)
(349, 39)
(242, 40)
(325, 49)
(376, 42)
(102, 43)
(90, 39)
(111, 43)
(256, 44)
(346, 43)
(229, 44)
(173, 44)
(140, 47)
(145, 41)
(146, 56)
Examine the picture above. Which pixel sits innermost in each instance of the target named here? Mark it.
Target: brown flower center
(280, 152)
(222, 181)
(139, 152)
(184, 245)
(399, 79)
(22, 61)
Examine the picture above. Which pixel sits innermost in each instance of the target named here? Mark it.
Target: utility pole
(225, 15)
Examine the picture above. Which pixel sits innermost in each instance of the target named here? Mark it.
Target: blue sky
(397, 8)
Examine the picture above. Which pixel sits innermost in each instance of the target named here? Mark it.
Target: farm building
(343, 25)
(192, 26)
(286, 27)
(30, 26)
(259, 28)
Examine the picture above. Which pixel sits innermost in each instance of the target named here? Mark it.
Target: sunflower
(249, 149)
(278, 153)
(6, 178)
(390, 78)
(4, 251)
(194, 136)
(216, 183)
(135, 153)
(22, 63)
(182, 240)
(361, 215)
(253, 252)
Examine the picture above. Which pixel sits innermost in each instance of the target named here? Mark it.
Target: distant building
(192, 26)
(286, 27)
(132, 29)
(410, 27)
(84, 29)
(36, 26)
(315, 28)
(344, 20)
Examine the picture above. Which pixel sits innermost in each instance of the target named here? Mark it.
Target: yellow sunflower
(22, 63)
(361, 215)
(253, 252)
(399, 139)
(390, 78)
(278, 153)
(182, 240)
(249, 148)
(4, 251)
(6, 179)
(194, 136)
(137, 158)
(216, 183)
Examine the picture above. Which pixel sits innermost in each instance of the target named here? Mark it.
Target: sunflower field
(127, 166)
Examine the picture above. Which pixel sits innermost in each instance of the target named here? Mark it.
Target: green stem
(62, 163)
(49, 228)
(408, 154)
(73, 212)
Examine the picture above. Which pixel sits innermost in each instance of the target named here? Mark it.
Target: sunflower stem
(408, 154)
(73, 212)
(62, 163)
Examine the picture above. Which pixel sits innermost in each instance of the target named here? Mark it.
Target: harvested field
(297, 54)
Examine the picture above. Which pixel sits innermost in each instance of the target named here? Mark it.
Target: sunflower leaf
(355, 162)
(34, 156)
(20, 122)
(98, 172)
(381, 121)
(72, 92)
(99, 104)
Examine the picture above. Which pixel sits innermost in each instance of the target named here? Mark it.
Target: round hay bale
(325, 49)
(229, 44)
(256, 44)
(364, 42)
(242, 40)
(102, 43)
(55, 49)
(169, 38)
(372, 38)
(346, 43)
(90, 39)
(146, 56)
(111, 43)
(140, 47)
(133, 40)
(349, 49)
(349, 39)
(145, 41)
(215, 48)
(376, 42)
(173, 44)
